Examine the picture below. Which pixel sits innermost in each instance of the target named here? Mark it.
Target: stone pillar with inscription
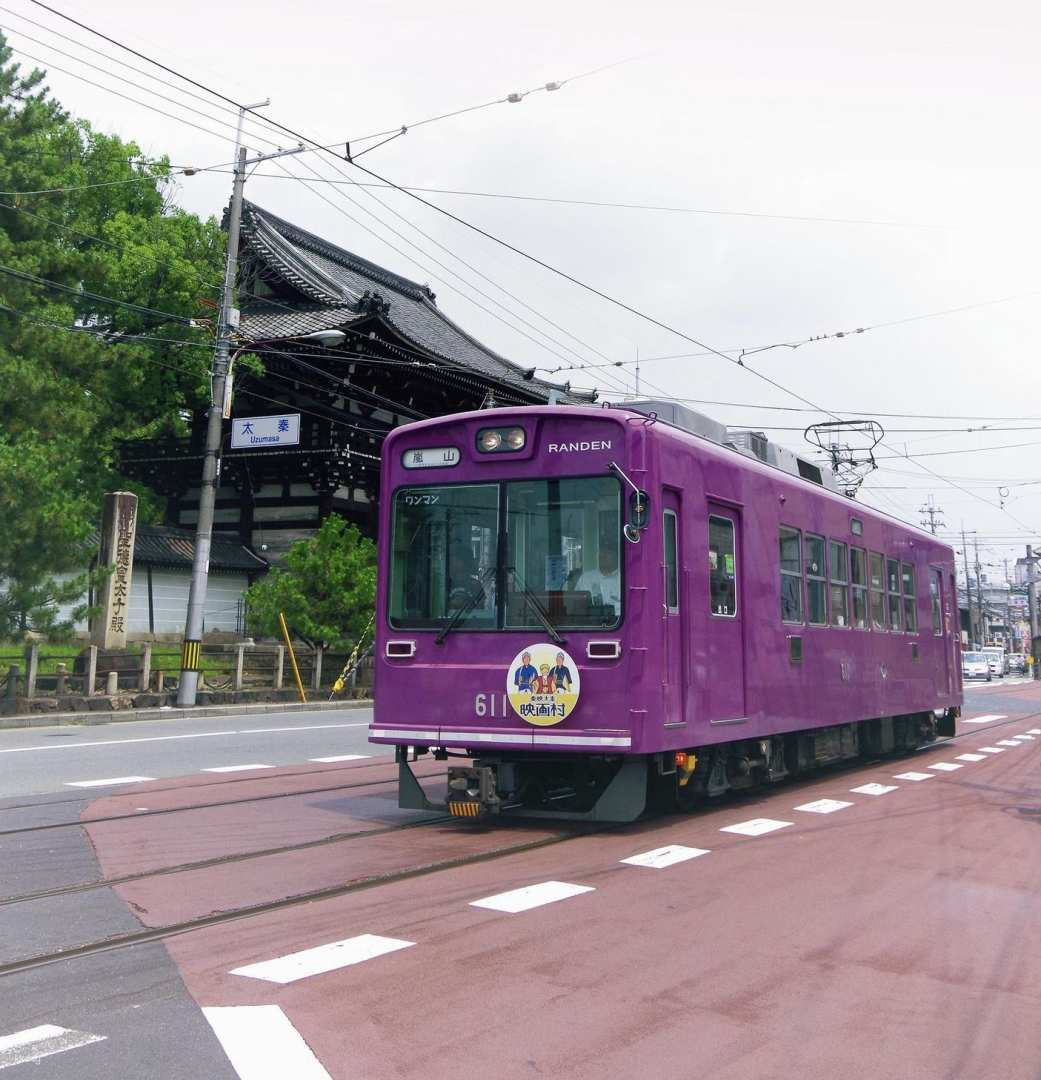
(118, 529)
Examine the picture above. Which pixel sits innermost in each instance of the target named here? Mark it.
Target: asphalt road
(878, 921)
(38, 761)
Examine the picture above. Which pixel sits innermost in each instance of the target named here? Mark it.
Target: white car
(974, 665)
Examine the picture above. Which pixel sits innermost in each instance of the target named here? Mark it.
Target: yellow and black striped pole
(191, 655)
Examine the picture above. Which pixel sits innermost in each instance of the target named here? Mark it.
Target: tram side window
(672, 571)
(839, 583)
(858, 577)
(722, 569)
(791, 575)
(878, 591)
(935, 586)
(816, 582)
(893, 589)
(910, 599)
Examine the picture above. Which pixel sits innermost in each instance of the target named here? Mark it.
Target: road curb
(123, 716)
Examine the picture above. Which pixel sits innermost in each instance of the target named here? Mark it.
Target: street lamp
(328, 339)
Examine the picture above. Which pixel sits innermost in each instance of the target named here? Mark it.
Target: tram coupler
(471, 790)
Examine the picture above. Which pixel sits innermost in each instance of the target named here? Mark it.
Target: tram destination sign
(431, 457)
(252, 431)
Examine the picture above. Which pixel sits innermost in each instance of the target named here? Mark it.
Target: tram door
(724, 647)
(674, 668)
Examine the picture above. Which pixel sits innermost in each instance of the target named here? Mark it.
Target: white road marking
(1034, 731)
(341, 757)
(756, 827)
(874, 789)
(991, 750)
(662, 857)
(531, 896)
(1008, 742)
(172, 738)
(40, 1042)
(1024, 738)
(237, 768)
(914, 776)
(823, 806)
(946, 766)
(300, 727)
(109, 782)
(972, 757)
(322, 958)
(115, 742)
(262, 1044)
(988, 719)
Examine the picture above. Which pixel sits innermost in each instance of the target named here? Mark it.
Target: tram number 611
(486, 704)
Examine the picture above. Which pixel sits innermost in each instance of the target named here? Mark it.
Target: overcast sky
(919, 116)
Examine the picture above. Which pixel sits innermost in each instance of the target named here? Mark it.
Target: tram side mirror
(638, 516)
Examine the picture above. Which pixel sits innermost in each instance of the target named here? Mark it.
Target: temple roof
(336, 288)
(160, 545)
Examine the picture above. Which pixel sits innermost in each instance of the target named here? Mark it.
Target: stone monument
(116, 551)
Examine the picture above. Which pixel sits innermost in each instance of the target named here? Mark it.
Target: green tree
(326, 588)
(80, 375)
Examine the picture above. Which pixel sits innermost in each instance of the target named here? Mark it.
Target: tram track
(152, 935)
(145, 814)
(343, 837)
(158, 934)
(217, 860)
(206, 781)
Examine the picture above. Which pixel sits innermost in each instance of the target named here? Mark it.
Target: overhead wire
(526, 255)
(81, 293)
(385, 225)
(138, 252)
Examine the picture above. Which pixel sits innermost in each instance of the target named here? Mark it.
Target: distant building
(403, 359)
(161, 577)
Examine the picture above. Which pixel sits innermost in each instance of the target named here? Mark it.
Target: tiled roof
(338, 287)
(158, 545)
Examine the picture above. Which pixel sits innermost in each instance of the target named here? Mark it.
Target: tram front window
(563, 548)
(443, 556)
(561, 562)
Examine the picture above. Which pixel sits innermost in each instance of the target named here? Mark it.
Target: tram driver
(603, 582)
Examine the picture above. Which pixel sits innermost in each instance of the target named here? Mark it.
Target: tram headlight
(501, 440)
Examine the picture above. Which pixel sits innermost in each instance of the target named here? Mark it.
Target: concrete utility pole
(979, 592)
(931, 516)
(968, 585)
(1032, 608)
(191, 652)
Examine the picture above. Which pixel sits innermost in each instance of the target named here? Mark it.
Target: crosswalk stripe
(262, 1044)
(40, 1042)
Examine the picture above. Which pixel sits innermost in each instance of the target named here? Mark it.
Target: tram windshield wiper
(476, 597)
(533, 602)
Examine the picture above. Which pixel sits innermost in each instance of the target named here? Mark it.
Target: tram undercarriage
(620, 788)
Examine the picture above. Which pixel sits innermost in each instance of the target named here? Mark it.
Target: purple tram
(585, 610)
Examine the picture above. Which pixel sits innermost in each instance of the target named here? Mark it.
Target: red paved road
(898, 937)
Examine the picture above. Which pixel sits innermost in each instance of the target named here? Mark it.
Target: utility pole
(968, 585)
(930, 515)
(191, 652)
(979, 591)
(1032, 608)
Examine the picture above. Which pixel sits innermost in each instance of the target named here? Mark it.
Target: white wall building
(162, 576)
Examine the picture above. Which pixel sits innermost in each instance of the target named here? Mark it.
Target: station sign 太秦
(436, 457)
(251, 431)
